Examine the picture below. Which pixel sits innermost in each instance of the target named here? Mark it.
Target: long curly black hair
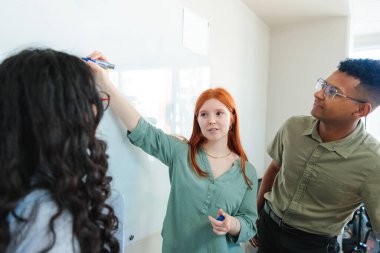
(368, 72)
(49, 111)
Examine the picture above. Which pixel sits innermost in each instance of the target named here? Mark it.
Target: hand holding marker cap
(103, 64)
(220, 218)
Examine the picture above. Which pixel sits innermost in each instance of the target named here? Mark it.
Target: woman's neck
(216, 149)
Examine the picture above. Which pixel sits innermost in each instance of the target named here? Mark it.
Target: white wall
(239, 51)
(300, 54)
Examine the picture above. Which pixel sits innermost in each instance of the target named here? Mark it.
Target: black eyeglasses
(105, 98)
(331, 91)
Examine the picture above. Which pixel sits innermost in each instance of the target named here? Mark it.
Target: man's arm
(267, 182)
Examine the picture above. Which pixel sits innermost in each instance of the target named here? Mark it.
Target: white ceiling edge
(364, 16)
(282, 12)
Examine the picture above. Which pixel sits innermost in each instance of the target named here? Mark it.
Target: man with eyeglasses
(324, 166)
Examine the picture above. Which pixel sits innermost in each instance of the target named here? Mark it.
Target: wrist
(235, 228)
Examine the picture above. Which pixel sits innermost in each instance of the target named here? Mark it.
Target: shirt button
(208, 196)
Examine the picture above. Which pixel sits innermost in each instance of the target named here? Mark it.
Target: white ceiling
(365, 14)
(280, 12)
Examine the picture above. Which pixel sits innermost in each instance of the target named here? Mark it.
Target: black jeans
(276, 239)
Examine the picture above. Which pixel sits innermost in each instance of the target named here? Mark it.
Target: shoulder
(300, 120)
(37, 208)
(298, 124)
(32, 233)
(372, 142)
(372, 145)
(33, 202)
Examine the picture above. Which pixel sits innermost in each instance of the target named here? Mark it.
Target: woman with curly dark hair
(53, 172)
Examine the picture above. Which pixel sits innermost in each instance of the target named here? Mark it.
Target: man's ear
(364, 109)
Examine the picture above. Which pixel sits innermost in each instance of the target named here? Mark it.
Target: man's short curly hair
(368, 72)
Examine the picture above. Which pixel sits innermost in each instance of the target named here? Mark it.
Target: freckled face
(214, 120)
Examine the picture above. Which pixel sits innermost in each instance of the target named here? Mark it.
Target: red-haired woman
(209, 174)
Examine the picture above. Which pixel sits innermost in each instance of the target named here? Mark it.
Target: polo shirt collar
(343, 147)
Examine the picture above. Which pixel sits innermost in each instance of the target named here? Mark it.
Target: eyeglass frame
(323, 85)
(107, 98)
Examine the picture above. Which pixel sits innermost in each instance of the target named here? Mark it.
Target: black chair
(361, 229)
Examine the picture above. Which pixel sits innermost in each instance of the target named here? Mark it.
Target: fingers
(221, 227)
(96, 69)
(218, 227)
(218, 232)
(100, 74)
(97, 55)
(93, 65)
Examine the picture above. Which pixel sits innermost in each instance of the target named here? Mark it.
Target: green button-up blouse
(186, 226)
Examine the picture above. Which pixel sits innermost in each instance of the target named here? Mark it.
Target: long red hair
(197, 138)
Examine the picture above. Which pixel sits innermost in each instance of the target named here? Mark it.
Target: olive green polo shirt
(186, 226)
(321, 184)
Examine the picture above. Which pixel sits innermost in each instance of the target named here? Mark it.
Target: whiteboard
(167, 104)
(153, 70)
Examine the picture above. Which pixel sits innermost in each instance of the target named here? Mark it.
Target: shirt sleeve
(247, 213)
(276, 147)
(153, 141)
(371, 199)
